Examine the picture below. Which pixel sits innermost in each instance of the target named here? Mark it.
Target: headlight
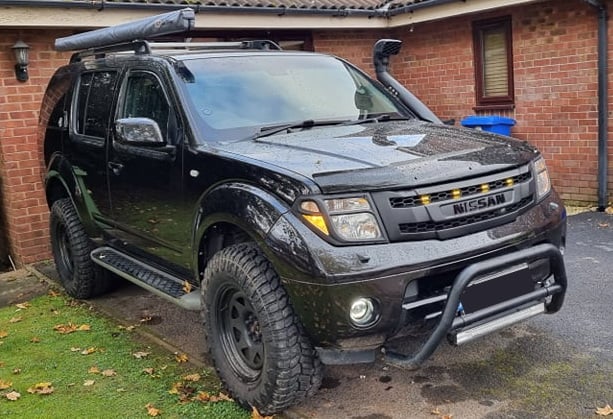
(543, 183)
(351, 219)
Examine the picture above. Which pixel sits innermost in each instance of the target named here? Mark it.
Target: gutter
(199, 8)
(603, 105)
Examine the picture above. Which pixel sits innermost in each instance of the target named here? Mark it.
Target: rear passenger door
(91, 118)
(145, 173)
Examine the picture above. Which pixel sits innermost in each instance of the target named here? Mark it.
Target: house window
(493, 63)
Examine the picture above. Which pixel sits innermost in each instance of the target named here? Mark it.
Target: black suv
(311, 213)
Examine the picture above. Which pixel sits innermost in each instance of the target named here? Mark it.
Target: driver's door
(145, 173)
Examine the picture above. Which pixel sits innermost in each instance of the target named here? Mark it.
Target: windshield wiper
(308, 123)
(379, 118)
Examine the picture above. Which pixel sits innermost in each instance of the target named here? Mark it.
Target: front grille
(427, 227)
(475, 189)
(455, 209)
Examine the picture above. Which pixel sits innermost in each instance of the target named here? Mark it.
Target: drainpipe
(603, 106)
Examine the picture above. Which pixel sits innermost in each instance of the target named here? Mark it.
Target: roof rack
(144, 47)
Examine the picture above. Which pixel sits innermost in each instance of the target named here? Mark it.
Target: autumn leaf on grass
(3, 334)
(93, 370)
(35, 339)
(64, 329)
(22, 306)
(84, 328)
(41, 388)
(88, 351)
(5, 384)
(604, 411)
(152, 411)
(187, 287)
(109, 373)
(181, 357)
(176, 388)
(53, 293)
(192, 377)
(17, 371)
(88, 383)
(140, 354)
(13, 395)
(255, 414)
(15, 319)
(149, 371)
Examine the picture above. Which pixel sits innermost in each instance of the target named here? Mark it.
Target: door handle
(115, 167)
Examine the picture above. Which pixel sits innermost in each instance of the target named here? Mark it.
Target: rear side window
(94, 101)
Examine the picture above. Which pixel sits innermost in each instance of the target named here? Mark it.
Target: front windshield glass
(234, 97)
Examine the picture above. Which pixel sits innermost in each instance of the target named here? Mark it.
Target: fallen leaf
(22, 306)
(53, 293)
(84, 328)
(187, 287)
(192, 377)
(35, 340)
(88, 383)
(65, 329)
(223, 396)
(75, 349)
(93, 370)
(13, 395)
(255, 414)
(15, 320)
(181, 357)
(603, 225)
(152, 411)
(145, 319)
(3, 334)
(202, 396)
(17, 371)
(41, 388)
(447, 417)
(88, 351)
(5, 384)
(604, 411)
(176, 388)
(149, 371)
(436, 411)
(609, 210)
(140, 354)
(109, 373)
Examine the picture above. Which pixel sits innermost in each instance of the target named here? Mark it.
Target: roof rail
(263, 44)
(145, 47)
(150, 27)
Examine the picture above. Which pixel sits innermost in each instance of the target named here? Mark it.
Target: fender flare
(65, 180)
(246, 206)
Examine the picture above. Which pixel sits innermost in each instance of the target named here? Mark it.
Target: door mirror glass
(139, 131)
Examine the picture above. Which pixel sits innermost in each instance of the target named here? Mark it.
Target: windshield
(235, 97)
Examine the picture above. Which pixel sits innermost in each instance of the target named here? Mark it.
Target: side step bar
(148, 277)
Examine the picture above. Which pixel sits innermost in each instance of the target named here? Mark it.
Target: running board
(152, 279)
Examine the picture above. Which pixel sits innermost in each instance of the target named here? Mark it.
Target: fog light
(362, 312)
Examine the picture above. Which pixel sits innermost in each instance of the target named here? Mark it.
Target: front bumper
(461, 328)
(323, 280)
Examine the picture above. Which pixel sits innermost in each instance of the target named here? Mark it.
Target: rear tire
(256, 341)
(71, 246)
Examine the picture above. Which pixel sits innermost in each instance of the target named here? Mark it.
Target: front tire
(71, 247)
(257, 343)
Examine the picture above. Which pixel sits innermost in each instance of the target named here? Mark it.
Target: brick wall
(21, 171)
(555, 75)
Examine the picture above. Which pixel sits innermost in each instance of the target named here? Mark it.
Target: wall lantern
(20, 49)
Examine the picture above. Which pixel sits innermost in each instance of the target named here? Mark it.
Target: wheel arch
(232, 213)
(65, 181)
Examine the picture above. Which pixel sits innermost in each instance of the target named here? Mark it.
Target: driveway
(558, 366)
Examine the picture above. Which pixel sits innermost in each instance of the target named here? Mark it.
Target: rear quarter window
(93, 103)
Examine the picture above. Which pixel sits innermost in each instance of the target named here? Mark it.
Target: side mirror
(139, 131)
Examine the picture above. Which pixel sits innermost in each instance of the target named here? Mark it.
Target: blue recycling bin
(495, 124)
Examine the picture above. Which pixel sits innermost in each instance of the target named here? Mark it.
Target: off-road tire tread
(295, 370)
(89, 280)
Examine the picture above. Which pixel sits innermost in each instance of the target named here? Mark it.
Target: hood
(386, 155)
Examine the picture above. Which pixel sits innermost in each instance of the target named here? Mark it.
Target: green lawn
(61, 359)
